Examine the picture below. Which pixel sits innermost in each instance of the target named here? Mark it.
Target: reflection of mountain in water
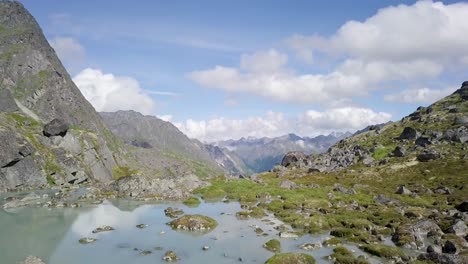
(33, 231)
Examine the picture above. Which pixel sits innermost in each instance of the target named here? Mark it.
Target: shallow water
(53, 235)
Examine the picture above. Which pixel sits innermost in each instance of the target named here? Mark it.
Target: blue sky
(284, 66)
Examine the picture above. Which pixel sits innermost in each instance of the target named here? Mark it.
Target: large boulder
(194, 223)
(428, 155)
(399, 152)
(292, 158)
(56, 127)
(462, 207)
(409, 133)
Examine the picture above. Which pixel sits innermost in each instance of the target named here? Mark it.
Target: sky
(229, 69)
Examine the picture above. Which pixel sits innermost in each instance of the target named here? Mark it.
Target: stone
(443, 190)
(428, 155)
(292, 158)
(173, 212)
(291, 258)
(105, 228)
(449, 247)
(459, 228)
(403, 190)
(434, 248)
(287, 184)
(423, 141)
(205, 248)
(339, 188)
(287, 234)
(194, 223)
(399, 152)
(170, 256)
(56, 127)
(273, 245)
(32, 260)
(87, 240)
(462, 207)
(142, 226)
(310, 246)
(409, 133)
(461, 120)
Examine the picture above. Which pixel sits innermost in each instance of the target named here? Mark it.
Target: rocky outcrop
(52, 134)
(169, 188)
(294, 158)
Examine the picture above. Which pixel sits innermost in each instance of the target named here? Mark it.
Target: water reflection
(54, 234)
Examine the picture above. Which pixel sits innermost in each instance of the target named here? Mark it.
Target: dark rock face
(409, 133)
(141, 144)
(56, 127)
(403, 190)
(449, 247)
(423, 141)
(7, 103)
(292, 158)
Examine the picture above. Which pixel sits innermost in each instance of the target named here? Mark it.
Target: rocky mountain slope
(227, 160)
(159, 147)
(49, 133)
(430, 133)
(262, 154)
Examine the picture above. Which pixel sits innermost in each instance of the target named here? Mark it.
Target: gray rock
(459, 228)
(403, 190)
(287, 234)
(443, 190)
(434, 248)
(87, 240)
(339, 188)
(286, 184)
(423, 141)
(428, 155)
(399, 151)
(409, 133)
(461, 120)
(292, 158)
(56, 127)
(105, 228)
(170, 256)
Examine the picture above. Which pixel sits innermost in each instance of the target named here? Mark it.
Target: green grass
(119, 172)
(273, 245)
(192, 202)
(383, 251)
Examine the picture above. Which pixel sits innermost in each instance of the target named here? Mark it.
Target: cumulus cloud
(108, 92)
(419, 95)
(275, 124)
(398, 43)
(69, 50)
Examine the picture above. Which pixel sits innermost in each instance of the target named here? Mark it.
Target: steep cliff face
(35, 89)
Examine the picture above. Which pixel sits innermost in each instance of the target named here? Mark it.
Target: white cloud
(401, 43)
(275, 124)
(420, 95)
(69, 50)
(107, 92)
(425, 30)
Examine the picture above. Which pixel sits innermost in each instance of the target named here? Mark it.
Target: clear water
(53, 235)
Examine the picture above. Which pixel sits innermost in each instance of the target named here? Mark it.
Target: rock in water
(291, 258)
(170, 256)
(103, 229)
(56, 127)
(87, 240)
(194, 223)
(32, 260)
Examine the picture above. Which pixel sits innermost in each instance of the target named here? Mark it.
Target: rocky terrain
(251, 155)
(49, 133)
(403, 182)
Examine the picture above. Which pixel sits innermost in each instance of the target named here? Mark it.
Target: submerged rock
(103, 229)
(170, 256)
(273, 245)
(194, 223)
(288, 235)
(291, 258)
(87, 240)
(142, 226)
(310, 246)
(173, 212)
(32, 260)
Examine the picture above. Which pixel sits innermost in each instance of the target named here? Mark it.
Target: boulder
(409, 133)
(443, 190)
(399, 151)
(459, 228)
(170, 256)
(428, 155)
(56, 127)
(291, 258)
(339, 188)
(292, 158)
(423, 141)
(449, 247)
(286, 184)
(403, 190)
(173, 212)
(461, 120)
(32, 260)
(194, 223)
(462, 207)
